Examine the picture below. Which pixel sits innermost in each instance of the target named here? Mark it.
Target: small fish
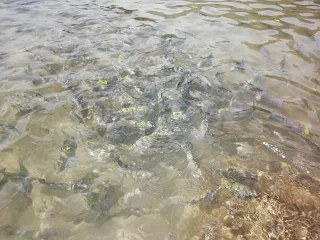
(301, 49)
(239, 65)
(28, 70)
(3, 177)
(307, 104)
(28, 234)
(266, 53)
(219, 74)
(307, 131)
(274, 149)
(283, 63)
(67, 155)
(181, 80)
(7, 132)
(206, 62)
(168, 236)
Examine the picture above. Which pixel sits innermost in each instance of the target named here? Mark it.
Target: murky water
(159, 119)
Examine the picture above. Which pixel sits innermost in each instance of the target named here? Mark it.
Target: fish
(67, 155)
(3, 177)
(239, 65)
(283, 63)
(206, 63)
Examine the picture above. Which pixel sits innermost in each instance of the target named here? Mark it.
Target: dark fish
(120, 163)
(239, 65)
(315, 148)
(23, 173)
(123, 133)
(104, 197)
(311, 184)
(219, 74)
(184, 84)
(67, 156)
(180, 82)
(144, 19)
(28, 70)
(185, 92)
(6, 131)
(241, 176)
(300, 48)
(207, 202)
(22, 177)
(3, 177)
(206, 62)
(266, 53)
(307, 104)
(283, 63)
(23, 112)
(266, 98)
(27, 234)
(23, 170)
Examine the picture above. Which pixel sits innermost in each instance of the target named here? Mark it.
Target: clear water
(159, 120)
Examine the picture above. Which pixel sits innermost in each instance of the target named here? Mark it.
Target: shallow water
(159, 120)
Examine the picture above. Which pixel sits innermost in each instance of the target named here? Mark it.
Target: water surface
(159, 119)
